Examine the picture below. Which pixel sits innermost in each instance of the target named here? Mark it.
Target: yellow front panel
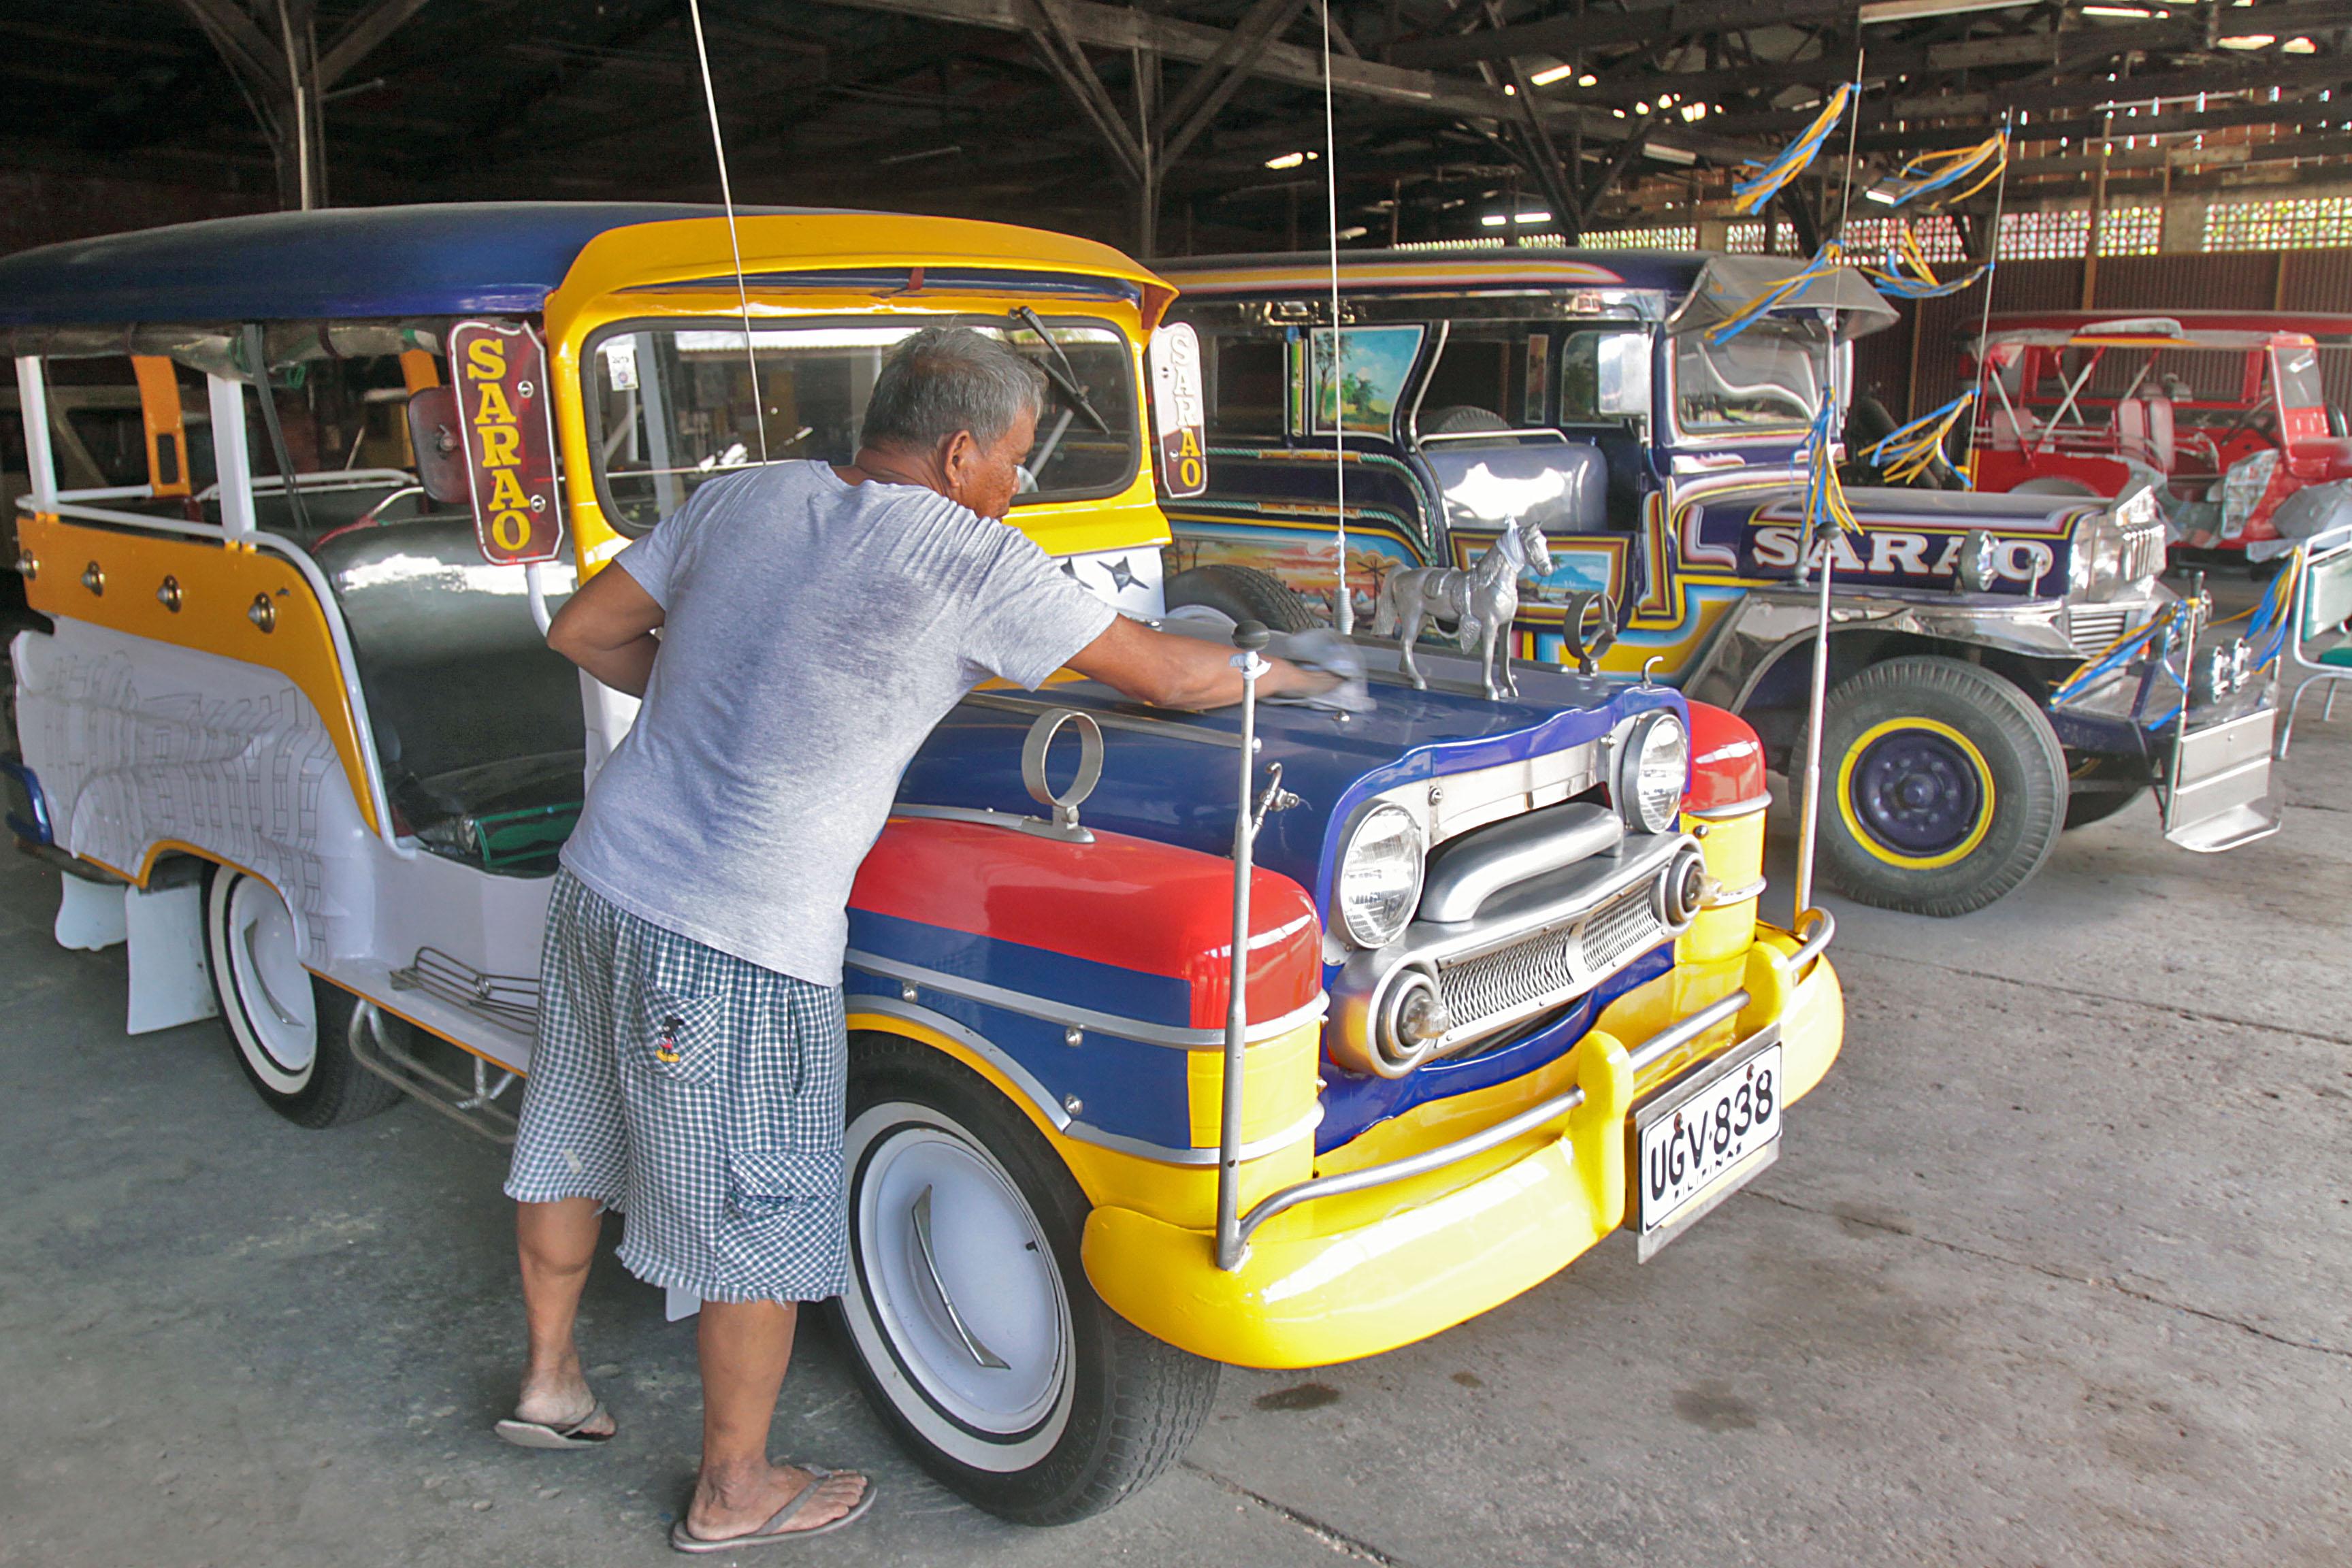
(1734, 848)
(217, 585)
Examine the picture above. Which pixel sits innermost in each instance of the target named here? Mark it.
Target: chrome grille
(2092, 630)
(1484, 993)
(1619, 930)
(2143, 551)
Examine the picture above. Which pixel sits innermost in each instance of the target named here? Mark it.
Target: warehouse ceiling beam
(1124, 31)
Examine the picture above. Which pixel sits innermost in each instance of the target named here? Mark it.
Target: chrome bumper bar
(1822, 927)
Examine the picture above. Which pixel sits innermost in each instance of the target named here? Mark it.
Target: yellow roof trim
(688, 250)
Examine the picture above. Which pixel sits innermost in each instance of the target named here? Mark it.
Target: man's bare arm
(607, 629)
(1170, 672)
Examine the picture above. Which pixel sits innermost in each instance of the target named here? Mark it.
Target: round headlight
(1380, 877)
(1653, 774)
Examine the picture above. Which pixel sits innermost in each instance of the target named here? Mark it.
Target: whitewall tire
(290, 1029)
(969, 1316)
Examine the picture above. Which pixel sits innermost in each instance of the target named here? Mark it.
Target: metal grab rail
(1650, 1052)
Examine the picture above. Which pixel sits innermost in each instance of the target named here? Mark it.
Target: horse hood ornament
(1478, 600)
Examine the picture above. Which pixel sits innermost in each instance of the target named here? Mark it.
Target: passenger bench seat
(471, 710)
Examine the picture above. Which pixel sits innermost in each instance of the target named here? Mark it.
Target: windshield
(2298, 379)
(1767, 378)
(670, 405)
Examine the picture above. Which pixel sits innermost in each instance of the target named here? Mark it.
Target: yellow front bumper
(1366, 1272)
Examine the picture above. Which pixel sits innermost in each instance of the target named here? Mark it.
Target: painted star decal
(1121, 577)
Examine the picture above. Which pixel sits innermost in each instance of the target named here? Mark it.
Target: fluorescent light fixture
(2248, 41)
(1556, 73)
(1693, 111)
(2132, 11)
(2298, 46)
(1911, 10)
(1588, 80)
(1666, 154)
(1357, 232)
(1496, 220)
(1643, 107)
(1885, 190)
(1510, 91)
(1287, 161)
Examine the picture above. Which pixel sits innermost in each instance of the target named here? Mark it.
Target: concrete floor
(2055, 1267)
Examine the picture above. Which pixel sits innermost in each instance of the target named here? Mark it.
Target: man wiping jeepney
(817, 622)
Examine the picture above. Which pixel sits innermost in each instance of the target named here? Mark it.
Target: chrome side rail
(478, 1110)
(1650, 1052)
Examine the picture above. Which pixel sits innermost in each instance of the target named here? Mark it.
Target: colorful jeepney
(293, 731)
(2226, 413)
(2002, 667)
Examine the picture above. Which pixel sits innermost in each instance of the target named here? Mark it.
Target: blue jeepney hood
(1170, 779)
(1909, 538)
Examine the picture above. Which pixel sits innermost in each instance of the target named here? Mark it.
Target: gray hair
(946, 379)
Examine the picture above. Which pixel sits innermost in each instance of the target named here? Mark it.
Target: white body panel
(141, 744)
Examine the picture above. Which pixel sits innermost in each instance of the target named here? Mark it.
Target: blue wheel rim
(1917, 792)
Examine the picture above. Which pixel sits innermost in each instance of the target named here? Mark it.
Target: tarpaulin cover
(1727, 284)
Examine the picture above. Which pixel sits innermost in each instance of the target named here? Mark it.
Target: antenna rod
(1984, 318)
(734, 243)
(1853, 137)
(1343, 608)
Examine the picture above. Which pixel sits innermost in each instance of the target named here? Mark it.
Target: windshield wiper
(1058, 370)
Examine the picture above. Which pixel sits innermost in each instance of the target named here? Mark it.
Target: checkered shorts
(696, 1092)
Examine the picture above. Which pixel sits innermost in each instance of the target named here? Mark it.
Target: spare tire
(1241, 594)
(1460, 419)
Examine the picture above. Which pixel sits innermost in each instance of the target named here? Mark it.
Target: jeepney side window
(98, 435)
(1247, 387)
(671, 406)
(1769, 378)
(1481, 367)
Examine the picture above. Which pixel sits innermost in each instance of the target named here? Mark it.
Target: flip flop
(546, 1435)
(767, 1534)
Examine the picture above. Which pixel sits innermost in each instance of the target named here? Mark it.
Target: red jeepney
(2228, 413)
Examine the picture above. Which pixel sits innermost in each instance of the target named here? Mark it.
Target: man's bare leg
(746, 1346)
(556, 1242)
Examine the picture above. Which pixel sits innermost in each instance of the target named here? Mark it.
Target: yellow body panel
(217, 585)
(1368, 1272)
(668, 270)
(1734, 848)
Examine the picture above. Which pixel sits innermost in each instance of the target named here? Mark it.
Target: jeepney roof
(2226, 330)
(462, 258)
(1511, 268)
(1707, 286)
(449, 258)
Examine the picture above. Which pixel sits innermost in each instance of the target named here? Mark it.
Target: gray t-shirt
(816, 632)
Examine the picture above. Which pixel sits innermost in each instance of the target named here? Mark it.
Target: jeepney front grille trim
(1492, 990)
(2093, 631)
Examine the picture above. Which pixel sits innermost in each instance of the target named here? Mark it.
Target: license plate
(1700, 1139)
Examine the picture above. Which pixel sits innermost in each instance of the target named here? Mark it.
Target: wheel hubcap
(961, 1283)
(280, 1014)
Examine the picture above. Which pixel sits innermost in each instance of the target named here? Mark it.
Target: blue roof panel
(341, 263)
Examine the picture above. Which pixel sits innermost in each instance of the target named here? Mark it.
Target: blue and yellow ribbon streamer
(1909, 451)
(1937, 171)
(1829, 259)
(1750, 194)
